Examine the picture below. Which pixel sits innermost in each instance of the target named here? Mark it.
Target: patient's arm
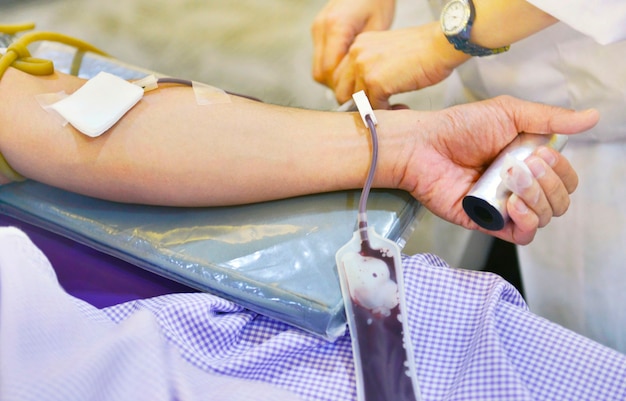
(168, 150)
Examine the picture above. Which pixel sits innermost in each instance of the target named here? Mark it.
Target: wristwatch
(457, 18)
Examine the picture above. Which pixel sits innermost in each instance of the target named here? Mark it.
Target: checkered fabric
(473, 339)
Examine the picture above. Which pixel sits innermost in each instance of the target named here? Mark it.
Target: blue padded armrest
(275, 258)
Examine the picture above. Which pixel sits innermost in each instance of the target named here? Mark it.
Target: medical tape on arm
(104, 99)
(99, 113)
(205, 94)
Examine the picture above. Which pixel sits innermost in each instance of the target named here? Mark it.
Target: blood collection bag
(370, 273)
(371, 282)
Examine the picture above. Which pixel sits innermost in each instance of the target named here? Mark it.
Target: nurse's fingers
(344, 81)
(331, 42)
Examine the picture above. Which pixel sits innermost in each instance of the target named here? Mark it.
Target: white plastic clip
(364, 107)
(147, 83)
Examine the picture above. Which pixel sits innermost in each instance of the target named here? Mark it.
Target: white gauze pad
(99, 103)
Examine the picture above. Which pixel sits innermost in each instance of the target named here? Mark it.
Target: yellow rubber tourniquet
(18, 56)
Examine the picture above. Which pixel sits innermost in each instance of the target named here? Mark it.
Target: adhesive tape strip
(207, 94)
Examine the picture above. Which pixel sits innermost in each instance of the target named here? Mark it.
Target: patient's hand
(448, 158)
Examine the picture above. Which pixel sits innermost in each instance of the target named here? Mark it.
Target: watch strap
(461, 41)
(463, 44)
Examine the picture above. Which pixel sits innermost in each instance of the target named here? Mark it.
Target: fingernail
(537, 167)
(547, 156)
(518, 204)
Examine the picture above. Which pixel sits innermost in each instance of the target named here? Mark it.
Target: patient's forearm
(169, 150)
(230, 153)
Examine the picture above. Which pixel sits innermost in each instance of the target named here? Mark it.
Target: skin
(352, 53)
(168, 150)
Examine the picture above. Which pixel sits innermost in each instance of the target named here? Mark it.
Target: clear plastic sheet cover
(275, 258)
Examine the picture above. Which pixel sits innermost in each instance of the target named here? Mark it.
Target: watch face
(454, 17)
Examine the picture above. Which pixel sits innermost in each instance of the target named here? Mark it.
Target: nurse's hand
(353, 51)
(337, 25)
(444, 162)
(384, 63)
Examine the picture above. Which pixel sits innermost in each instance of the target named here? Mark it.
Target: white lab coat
(574, 272)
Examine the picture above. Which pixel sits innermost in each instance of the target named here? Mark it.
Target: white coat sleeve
(602, 20)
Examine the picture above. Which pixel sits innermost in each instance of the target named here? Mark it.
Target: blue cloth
(473, 339)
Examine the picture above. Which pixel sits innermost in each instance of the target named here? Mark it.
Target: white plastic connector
(364, 107)
(147, 83)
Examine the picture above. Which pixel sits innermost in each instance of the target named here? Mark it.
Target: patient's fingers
(543, 183)
(553, 191)
(561, 167)
(556, 177)
(531, 191)
(541, 190)
(524, 221)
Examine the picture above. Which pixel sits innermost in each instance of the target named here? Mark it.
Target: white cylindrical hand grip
(485, 204)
